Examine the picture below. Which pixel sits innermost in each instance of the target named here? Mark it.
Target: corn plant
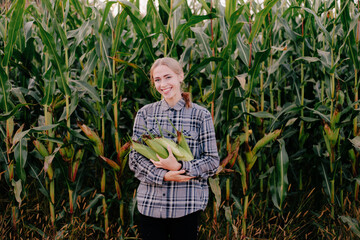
(284, 70)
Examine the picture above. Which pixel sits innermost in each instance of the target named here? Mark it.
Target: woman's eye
(156, 80)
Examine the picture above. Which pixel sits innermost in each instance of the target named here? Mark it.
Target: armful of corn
(159, 145)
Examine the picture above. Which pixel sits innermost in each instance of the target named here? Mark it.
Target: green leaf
(21, 152)
(49, 88)
(326, 183)
(14, 28)
(78, 7)
(17, 190)
(142, 34)
(45, 127)
(92, 60)
(278, 180)
(203, 39)
(136, 68)
(121, 20)
(259, 20)
(356, 143)
(180, 30)
(244, 50)
(308, 59)
(105, 15)
(353, 224)
(350, 39)
(82, 85)
(54, 22)
(230, 7)
(93, 203)
(215, 188)
(80, 33)
(325, 58)
(158, 20)
(105, 55)
(4, 92)
(8, 115)
(262, 115)
(42, 189)
(320, 25)
(58, 62)
(196, 68)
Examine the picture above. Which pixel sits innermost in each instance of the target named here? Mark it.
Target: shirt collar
(178, 106)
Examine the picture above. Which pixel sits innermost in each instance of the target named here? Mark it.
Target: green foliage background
(280, 79)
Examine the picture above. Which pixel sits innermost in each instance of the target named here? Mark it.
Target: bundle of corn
(159, 145)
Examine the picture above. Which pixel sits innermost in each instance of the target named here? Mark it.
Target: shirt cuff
(162, 173)
(186, 165)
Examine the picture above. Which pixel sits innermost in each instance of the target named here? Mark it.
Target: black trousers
(183, 228)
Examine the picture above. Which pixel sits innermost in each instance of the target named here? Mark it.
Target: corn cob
(157, 147)
(332, 135)
(243, 173)
(40, 147)
(265, 140)
(124, 150)
(335, 118)
(75, 165)
(179, 152)
(94, 138)
(144, 150)
(182, 142)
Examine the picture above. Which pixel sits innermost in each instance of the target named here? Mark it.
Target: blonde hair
(170, 63)
(176, 68)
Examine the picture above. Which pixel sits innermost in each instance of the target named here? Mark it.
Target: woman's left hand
(170, 163)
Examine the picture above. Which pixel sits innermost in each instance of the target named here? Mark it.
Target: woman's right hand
(177, 176)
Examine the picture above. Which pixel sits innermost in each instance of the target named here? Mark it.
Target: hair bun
(187, 98)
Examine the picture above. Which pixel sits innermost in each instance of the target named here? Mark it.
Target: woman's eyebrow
(165, 75)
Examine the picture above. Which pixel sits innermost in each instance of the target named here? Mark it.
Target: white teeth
(166, 90)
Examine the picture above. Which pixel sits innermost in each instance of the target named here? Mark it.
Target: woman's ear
(181, 77)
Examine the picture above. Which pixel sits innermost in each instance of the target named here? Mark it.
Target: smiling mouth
(166, 90)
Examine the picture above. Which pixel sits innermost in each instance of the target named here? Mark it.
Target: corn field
(280, 78)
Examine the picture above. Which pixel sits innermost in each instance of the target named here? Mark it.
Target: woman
(172, 194)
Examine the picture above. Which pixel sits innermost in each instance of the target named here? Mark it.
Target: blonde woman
(171, 193)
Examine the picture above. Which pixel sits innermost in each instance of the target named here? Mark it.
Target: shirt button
(164, 194)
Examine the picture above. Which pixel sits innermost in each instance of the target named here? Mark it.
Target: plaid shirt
(168, 199)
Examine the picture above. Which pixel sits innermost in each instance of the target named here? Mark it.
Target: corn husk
(179, 153)
(157, 147)
(144, 150)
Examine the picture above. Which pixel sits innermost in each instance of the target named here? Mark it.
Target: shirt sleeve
(143, 168)
(205, 166)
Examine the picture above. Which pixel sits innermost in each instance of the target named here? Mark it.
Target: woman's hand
(177, 176)
(170, 163)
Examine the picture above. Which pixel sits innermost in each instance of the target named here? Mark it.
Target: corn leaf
(14, 28)
(21, 153)
(49, 42)
(143, 34)
(55, 23)
(105, 14)
(259, 20)
(353, 224)
(279, 180)
(4, 92)
(121, 20)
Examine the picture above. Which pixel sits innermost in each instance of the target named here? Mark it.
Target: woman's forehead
(162, 70)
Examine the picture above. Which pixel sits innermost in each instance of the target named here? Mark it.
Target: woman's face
(168, 84)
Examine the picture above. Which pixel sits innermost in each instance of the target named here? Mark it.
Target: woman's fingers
(177, 176)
